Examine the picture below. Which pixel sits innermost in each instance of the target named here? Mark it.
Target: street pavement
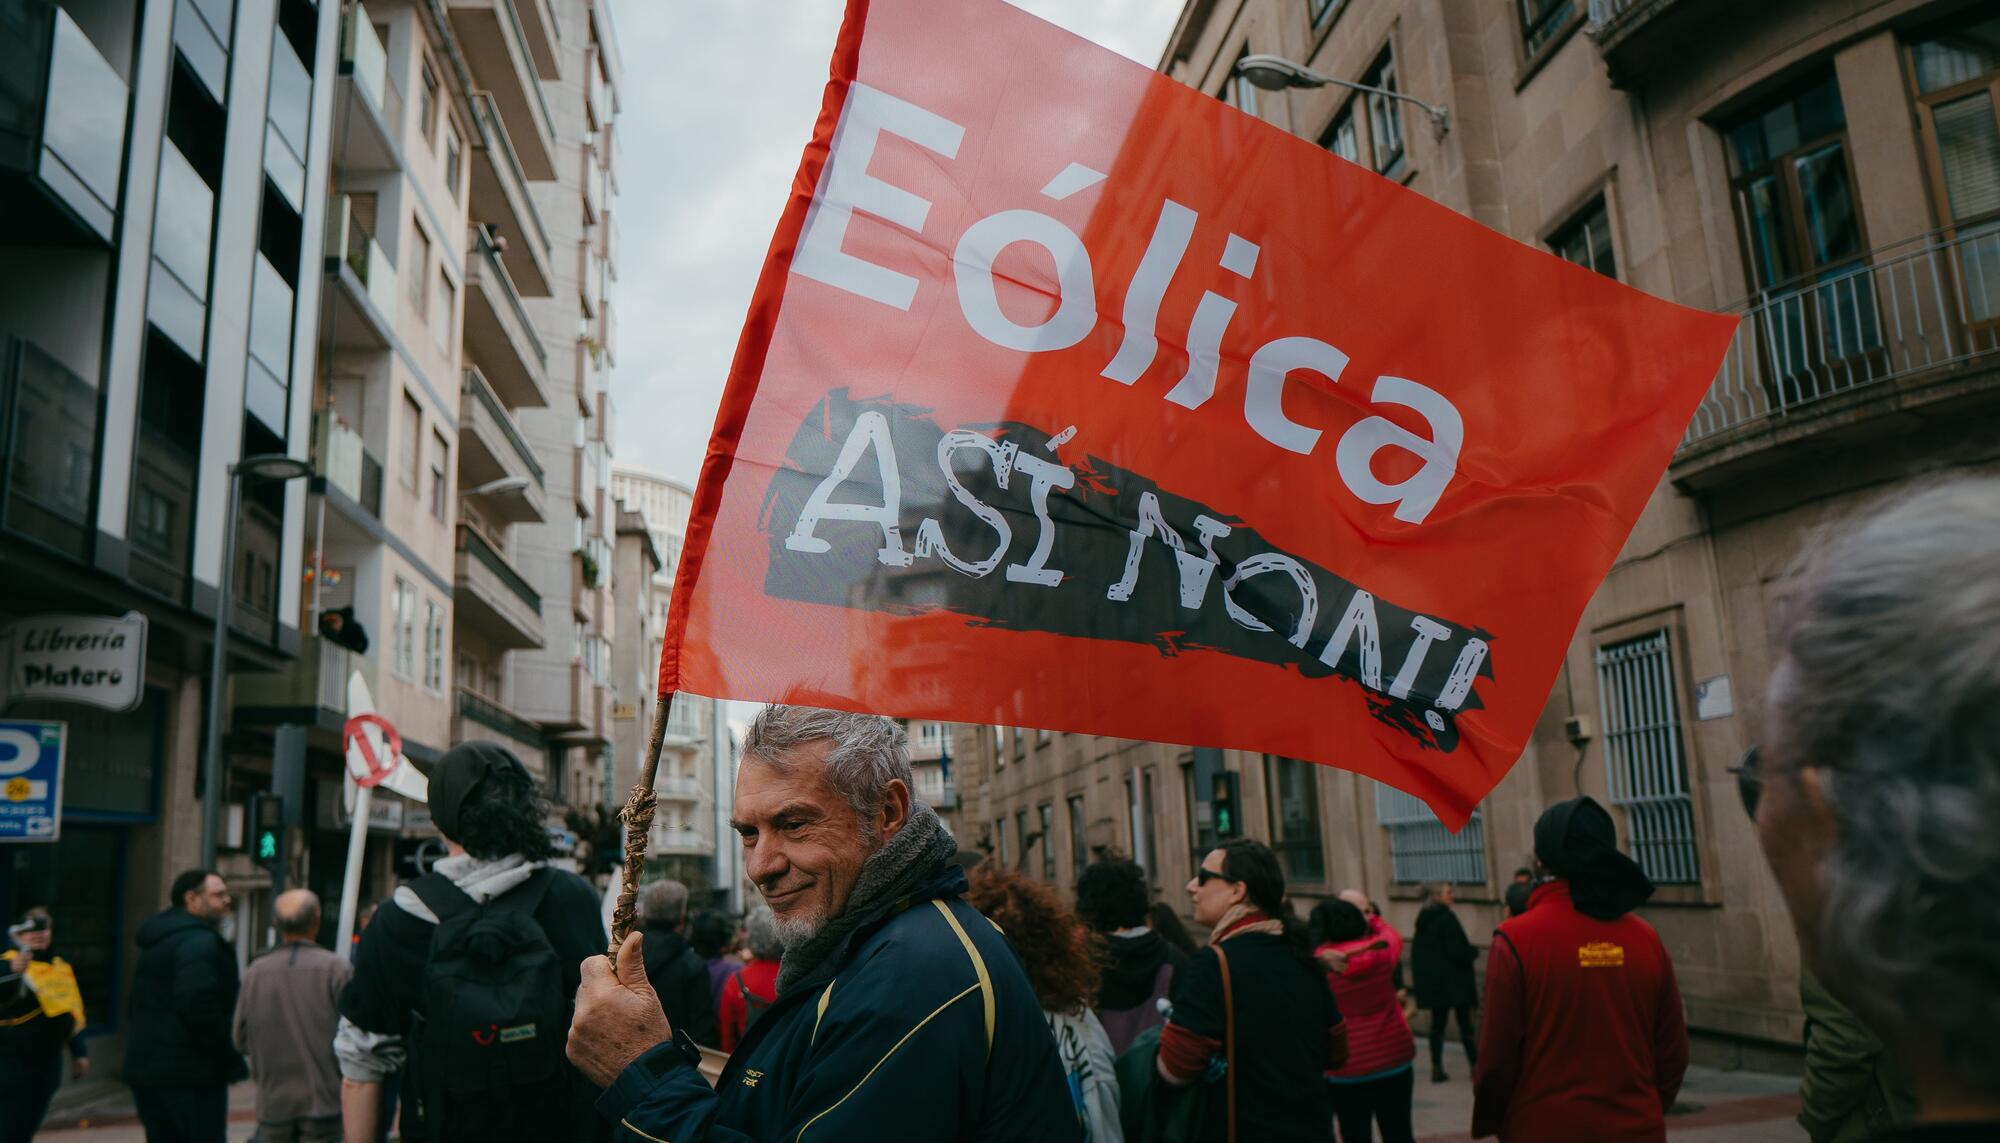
(1715, 1107)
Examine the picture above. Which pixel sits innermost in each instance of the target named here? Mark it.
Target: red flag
(1073, 398)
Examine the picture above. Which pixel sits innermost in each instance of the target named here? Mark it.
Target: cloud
(719, 100)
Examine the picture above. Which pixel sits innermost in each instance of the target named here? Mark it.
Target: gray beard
(793, 933)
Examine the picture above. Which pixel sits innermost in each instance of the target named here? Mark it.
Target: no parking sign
(31, 769)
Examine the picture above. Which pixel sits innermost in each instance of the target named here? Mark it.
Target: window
(440, 473)
(153, 522)
(1021, 836)
(403, 613)
(1587, 241)
(419, 269)
(413, 440)
(1140, 826)
(1322, 11)
(1079, 848)
(1801, 226)
(1041, 735)
(1385, 117)
(1020, 743)
(1000, 839)
(434, 647)
(1542, 20)
(1146, 805)
(442, 311)
(1421, 849)
(427, 104)
(1237, 90)
(1644, 768)
(454, 158)
(1340, 137)
(1294, 808)
(1958, 99)
(1048, 813)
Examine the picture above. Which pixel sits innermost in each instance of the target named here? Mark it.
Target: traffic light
(267, 834)
(1222, 799)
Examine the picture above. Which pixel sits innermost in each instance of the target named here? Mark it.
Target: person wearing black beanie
(1584, 1036)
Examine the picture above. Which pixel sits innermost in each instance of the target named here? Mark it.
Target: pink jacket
(1378, 1039)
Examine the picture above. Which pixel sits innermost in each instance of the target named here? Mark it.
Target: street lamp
(264, 466)
(1276, 73)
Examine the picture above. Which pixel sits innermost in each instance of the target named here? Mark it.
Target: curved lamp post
(1276, 73)
(264, 466)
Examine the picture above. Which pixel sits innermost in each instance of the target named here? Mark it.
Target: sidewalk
(101, 1111)
(1715, 1106)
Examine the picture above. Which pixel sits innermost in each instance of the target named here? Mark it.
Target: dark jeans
(174, 1114)
(1465, 1035)
(1384, 1102)
(26, 1086)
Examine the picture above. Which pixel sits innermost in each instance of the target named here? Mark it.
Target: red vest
(1584, 1037)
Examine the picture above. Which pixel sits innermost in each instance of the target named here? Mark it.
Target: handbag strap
(1228, 1040)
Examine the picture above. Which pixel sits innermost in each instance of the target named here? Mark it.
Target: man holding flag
(900, 1011)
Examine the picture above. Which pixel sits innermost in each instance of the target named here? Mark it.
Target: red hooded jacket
(1583, 1036)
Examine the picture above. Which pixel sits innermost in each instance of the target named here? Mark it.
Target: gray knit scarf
(919, 852)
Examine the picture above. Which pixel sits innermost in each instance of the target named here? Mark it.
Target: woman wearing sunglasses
(1253, 1019)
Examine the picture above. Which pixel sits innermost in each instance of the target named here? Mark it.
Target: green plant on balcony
(590, 568)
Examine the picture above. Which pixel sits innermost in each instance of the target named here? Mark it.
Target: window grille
(1422, 849)
(1645, 769)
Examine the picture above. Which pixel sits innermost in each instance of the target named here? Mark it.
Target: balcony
(678, 789)
(47, 478)
(592, 182)
(267, 374)
(500, 197)
(607, 242)
(357, 314)
(492, 597)
(496, 45)
(666, 839)
(288, 122)
(1912, 333)
(62, 127)
(183, 223)
(368, 106)
(589, 284)
(544, 36)
(500, 337)
(490, 448)
(484, 711)
(607, 331)
(312, 689)
(346, 464)
(1635, 35)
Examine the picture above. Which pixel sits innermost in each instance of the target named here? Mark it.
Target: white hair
(760, 928)
(868, 751)
(663, 902)
(1890, 684)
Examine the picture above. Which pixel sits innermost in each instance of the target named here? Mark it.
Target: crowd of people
(891, 985)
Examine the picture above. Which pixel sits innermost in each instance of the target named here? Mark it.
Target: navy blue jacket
(923, 1027)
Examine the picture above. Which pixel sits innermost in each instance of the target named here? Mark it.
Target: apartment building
(696, 783)
(1831, 172)
(569, 149)
(160, 229)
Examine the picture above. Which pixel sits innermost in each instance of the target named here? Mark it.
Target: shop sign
(97, 660)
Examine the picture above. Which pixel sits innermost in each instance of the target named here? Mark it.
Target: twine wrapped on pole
(638, 819)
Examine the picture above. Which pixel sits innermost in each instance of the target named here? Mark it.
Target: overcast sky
(719, 100)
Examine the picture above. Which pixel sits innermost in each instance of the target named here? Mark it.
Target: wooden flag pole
(638, 818)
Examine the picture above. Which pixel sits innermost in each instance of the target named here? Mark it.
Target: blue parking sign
(31, 770)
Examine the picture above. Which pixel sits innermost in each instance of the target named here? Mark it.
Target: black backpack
(488, 1045)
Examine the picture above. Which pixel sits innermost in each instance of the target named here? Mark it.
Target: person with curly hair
(1061, 958)
(1112, 899)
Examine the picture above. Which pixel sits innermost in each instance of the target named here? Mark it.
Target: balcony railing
(364, 57)
(486, 712)
(678, 787)
(1906, 311)
(348, 465)
(60, 91)
(476, 386)
(476, 546)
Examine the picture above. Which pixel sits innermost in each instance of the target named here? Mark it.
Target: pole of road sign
(350, 883)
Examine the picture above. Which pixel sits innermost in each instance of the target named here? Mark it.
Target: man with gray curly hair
(899, 1010)
(1877, 787)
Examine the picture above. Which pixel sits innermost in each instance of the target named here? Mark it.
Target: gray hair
(663, 902)
(868, 752)
(760, 928)
(1890, 683)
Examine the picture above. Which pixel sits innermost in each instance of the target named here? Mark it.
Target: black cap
(455, 776)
